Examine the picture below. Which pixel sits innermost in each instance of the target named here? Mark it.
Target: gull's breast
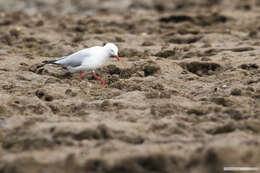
(96, 62)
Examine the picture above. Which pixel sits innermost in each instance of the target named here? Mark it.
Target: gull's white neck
(106, 52)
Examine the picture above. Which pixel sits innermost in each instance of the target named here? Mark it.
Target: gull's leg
(98, 78)
(80, 75)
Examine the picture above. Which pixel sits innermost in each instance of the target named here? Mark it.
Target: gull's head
(113, 50)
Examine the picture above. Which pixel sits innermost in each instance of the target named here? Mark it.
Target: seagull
(87, 59)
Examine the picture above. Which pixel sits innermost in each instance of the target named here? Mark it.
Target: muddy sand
(185, 96)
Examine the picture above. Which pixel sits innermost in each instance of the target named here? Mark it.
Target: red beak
(117, 57)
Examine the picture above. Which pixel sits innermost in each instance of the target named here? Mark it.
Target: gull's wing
(75, 59)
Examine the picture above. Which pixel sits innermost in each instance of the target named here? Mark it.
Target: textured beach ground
(185, 96)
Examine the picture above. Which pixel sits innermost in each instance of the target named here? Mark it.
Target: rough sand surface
(185, 96)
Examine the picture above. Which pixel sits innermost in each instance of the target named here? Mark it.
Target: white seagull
(88, 59)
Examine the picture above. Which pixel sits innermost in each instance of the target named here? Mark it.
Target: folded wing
(75, 59)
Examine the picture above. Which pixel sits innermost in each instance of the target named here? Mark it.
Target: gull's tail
(54, 61)
(50, 62)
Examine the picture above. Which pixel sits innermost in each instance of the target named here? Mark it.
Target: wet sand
(185, 96)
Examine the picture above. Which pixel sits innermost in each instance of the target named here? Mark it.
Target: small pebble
(236, 92)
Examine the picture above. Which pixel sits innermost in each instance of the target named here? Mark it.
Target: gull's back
(77, 58)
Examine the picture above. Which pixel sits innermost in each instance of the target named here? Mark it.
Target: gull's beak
(117, 57)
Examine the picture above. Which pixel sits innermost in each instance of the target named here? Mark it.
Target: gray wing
(75, 59)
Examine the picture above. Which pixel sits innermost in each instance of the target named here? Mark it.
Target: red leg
(98, 78)
(80, 75)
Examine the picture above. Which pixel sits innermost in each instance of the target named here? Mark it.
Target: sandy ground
(185, 96)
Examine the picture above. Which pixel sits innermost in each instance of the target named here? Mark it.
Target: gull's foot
(102, 81)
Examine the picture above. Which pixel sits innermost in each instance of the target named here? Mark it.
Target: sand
(185, 96)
